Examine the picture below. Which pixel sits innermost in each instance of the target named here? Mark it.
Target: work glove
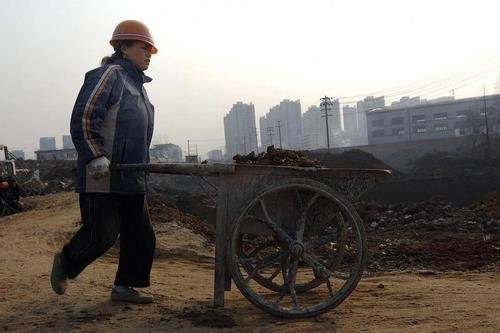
(99, 167)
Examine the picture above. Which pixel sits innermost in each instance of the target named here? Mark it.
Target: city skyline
(390, 48)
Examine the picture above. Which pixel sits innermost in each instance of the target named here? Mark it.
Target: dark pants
(104, 217)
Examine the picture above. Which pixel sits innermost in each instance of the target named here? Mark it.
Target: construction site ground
(413, 299)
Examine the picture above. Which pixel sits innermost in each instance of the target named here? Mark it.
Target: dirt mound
(450, 164)
(440, 251)
(276, 156)
(355, 158)
(432, 234)
(163, 213)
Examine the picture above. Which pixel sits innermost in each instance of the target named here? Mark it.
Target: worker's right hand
(99, 167)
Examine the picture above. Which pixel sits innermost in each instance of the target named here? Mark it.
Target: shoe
(130, 295)
(58, 278)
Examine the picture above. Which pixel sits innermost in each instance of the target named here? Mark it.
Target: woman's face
(139, 53)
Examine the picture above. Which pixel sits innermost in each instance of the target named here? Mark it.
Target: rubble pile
(434, 214)
(44, 177)
(276, 156)
(432, 235)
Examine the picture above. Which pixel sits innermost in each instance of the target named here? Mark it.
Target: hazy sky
(215, 53)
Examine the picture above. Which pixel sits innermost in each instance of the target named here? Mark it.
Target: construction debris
(432, 235)
(164, 212)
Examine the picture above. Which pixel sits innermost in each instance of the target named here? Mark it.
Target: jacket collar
(138, 76)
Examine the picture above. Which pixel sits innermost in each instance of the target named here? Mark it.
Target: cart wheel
(297, 249)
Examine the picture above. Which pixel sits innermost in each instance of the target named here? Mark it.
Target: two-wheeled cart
(288, 237)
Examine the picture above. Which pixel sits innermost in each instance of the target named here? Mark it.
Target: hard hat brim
(137, 37)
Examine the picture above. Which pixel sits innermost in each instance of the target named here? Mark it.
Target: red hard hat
(4, 185)
(133, 30)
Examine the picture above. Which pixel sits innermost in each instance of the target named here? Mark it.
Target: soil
(355, 158)
(413, 299)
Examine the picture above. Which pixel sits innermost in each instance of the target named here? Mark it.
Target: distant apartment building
(67, 142)
(407, 101)
(350, 115)
(313, 129)
(314, 126)
(442, 118)
(353, 134)
(282, 126)
(215, 155)
(48, 143)
(240, 131)
(363, 106)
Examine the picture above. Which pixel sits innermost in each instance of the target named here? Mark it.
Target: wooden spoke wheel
(297, 249)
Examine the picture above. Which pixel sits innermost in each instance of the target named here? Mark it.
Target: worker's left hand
(99, 167)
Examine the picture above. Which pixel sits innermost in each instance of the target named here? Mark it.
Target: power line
(440, 87)
(400, 89)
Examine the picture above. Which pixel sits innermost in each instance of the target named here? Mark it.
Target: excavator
(9, 189)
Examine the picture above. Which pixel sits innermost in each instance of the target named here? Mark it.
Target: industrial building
(443, 118)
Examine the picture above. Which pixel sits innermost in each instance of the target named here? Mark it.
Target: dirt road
(182, 284)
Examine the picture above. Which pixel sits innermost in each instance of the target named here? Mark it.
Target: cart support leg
(220, 278)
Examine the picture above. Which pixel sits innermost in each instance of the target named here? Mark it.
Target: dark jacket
(113, 117)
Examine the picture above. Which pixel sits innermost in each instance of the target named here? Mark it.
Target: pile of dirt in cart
(451, 164)
(276, 156)
(356, 159)
(432, 235)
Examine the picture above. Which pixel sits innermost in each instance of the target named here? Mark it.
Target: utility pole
(326, 102)
(256, 140)
(486, 123)
(188, 153)
(270, 133)
(279, 130)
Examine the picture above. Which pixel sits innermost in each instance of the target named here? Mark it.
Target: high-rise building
(350, 118)
(314, 126)
(334, 122)
(282, 126)
(313, 129)
(239, 130)
(67, 142)
(215, 155)
(48, 143)
(367, 104)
